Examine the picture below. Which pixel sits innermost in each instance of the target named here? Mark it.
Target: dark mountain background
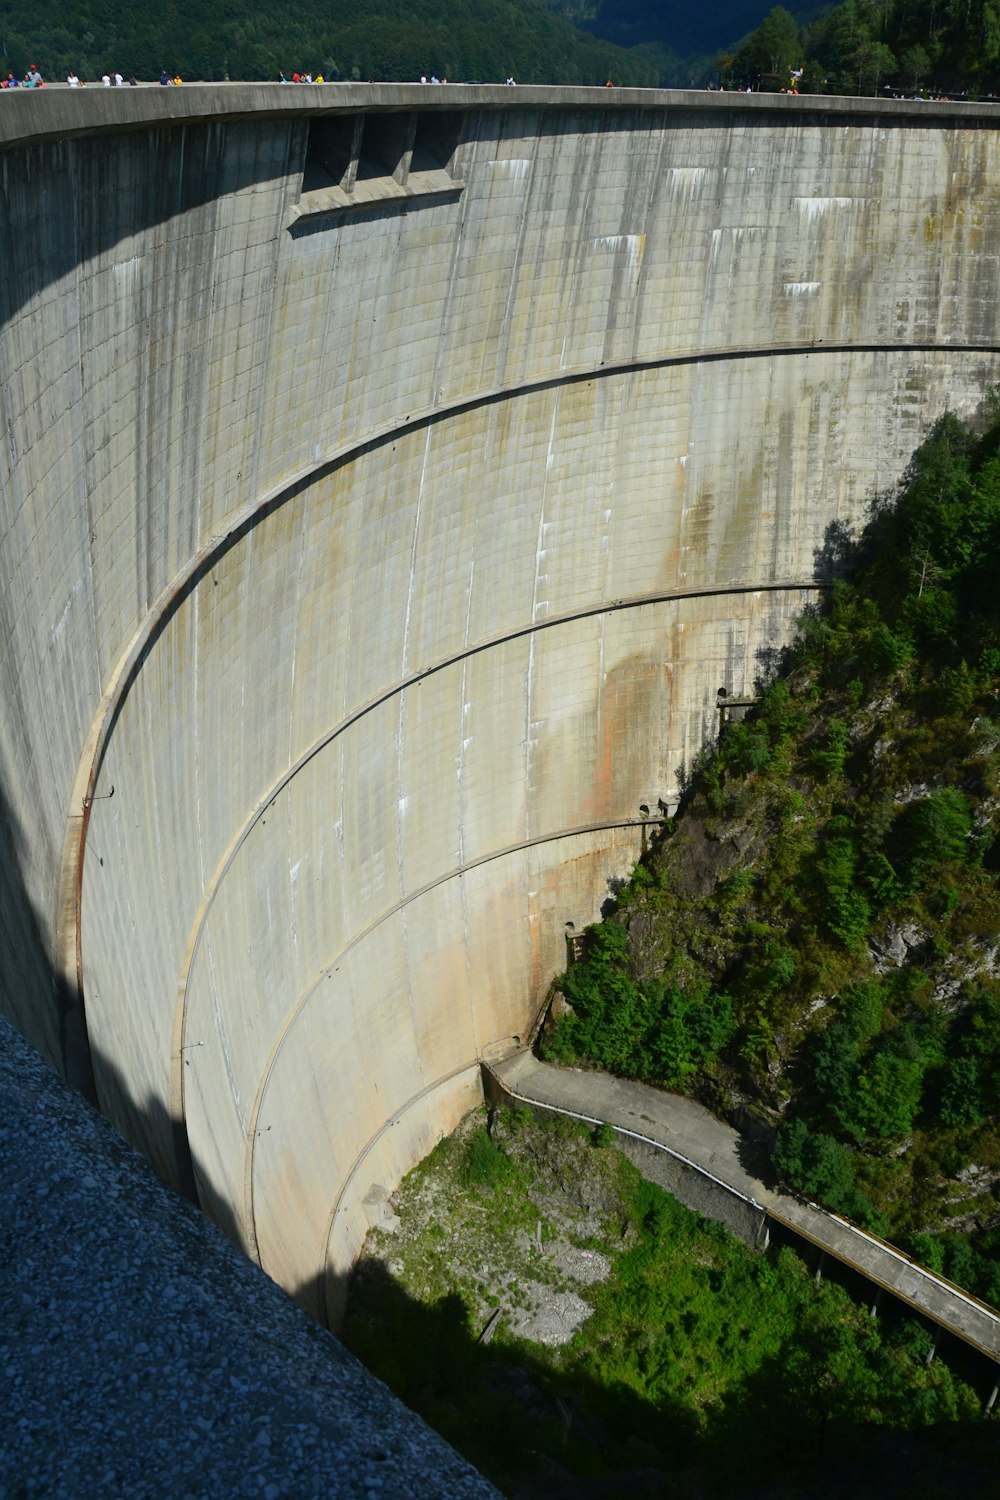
(856, 47)
(642, 42)
(682, 26)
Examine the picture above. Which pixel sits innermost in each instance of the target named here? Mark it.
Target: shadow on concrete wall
(31, 996)
(39, 1004)
(89, 208)
(838, 557)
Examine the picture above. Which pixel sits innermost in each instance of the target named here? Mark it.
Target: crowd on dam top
(33, 79)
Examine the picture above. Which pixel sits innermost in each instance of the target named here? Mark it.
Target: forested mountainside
(817, 934)
(681, 39)
(861, 46)
(869, 46)
(358, 39)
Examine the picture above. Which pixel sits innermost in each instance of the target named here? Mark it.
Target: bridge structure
(392, 476)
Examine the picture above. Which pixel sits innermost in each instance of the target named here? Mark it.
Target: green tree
(746, 748)
(835, 1068)
(962, 1097)
(814, 1163)
(931, 832)
(828, 760)
(873, 62)
(914, 66)
(862, 1006)
(887, 1094)
(846, 910)
(773, 49)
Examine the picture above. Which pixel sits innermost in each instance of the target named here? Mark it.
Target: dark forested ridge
(874, 46)
(354, 39)
(679, 38)
(819, 936)
(689, 29)
(859, 47)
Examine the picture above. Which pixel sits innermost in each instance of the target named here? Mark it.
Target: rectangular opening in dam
(386, 147)
(332, 152)
(355, 161)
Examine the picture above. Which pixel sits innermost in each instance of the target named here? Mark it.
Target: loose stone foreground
(141, 1354)
(701, 1144)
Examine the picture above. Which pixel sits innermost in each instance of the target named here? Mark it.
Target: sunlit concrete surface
(391, 478)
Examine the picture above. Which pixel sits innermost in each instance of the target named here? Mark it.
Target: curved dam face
(391, 478)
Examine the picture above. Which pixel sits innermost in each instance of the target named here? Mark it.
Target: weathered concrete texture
(386, 561)
(142, 1355)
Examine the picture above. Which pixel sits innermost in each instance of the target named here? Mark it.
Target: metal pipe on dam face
(392, 476)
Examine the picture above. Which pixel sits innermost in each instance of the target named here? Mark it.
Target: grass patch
(696, 1352)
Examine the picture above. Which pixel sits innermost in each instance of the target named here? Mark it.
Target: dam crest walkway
(701, 1144)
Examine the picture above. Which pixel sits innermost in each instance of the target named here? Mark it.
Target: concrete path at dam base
(711, 1157)
(141, 1354)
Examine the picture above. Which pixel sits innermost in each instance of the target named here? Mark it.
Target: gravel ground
(142, 1355)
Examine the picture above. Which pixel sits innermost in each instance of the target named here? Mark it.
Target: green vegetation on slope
(696, 1354)
(819, 936)
(361, 39)
(859, 47)
(864, 46)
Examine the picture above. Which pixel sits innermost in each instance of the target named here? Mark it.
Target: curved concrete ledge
(810, 588)
(566, 835)
(232, 533)
(236, 529)
(60, 112)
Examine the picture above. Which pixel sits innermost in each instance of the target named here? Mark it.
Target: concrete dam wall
(391, 478)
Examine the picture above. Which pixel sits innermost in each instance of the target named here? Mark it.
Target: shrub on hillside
(814, 1163)
(930, 833)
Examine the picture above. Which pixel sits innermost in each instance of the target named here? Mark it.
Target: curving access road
(701, 1143)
